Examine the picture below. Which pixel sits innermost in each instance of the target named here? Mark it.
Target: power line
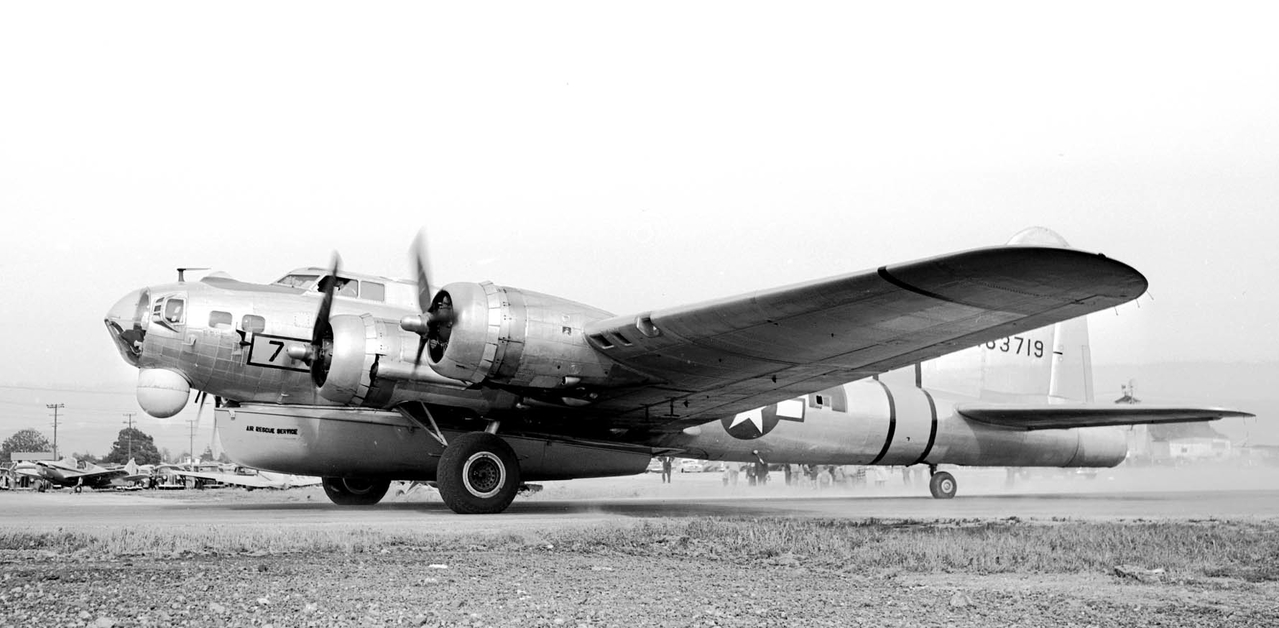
(66, 390)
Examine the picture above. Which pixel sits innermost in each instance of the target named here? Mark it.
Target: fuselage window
(174, 310)
(219, 319)
(833, 399)
(374, 291)
(253, 323)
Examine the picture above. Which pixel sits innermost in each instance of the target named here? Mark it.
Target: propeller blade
(329, 287)
(199, 400)
(422, 271)
(322, 329)
(421, 345)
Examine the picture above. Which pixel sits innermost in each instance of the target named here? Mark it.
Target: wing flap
(1053, 417)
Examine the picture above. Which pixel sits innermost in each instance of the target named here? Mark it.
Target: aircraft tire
(478, 474)
(942, 485)
(355, 491)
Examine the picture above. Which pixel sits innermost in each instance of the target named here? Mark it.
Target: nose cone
(125, 324)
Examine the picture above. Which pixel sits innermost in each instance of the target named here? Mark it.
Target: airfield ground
(634, 552)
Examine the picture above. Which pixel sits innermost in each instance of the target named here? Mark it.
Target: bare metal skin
(371, 379)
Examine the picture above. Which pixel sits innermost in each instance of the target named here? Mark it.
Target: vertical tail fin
(1071, 378)
(1051, 364)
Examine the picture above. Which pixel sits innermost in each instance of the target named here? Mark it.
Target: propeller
(421, 271)
(435, 325)
(199, 400)
(322, 331)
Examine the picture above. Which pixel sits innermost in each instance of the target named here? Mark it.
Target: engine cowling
(517, 337)
(365, 356)
(345, 367)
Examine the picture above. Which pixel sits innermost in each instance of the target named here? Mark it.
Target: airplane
(76, 474)
(245, 477)
(482, 388)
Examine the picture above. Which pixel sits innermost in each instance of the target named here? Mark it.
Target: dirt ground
(540, 585)
(520, 579)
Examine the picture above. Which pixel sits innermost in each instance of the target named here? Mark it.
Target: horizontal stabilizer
(1054, 417)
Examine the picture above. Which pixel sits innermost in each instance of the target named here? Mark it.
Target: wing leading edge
(726, 356)
(1030, 417)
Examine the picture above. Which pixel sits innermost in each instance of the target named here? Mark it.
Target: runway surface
(590, 502)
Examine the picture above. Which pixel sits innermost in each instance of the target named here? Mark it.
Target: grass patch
(154, 541)
(1242, 550)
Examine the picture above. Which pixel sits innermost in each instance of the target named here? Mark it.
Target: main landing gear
(478, 474)
(941, 484)
(355, 491)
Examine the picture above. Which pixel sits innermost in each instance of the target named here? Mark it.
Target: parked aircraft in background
(77, 474)
(478, 387)
(245, 477)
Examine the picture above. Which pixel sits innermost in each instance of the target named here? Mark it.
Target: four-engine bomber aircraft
(480, 388)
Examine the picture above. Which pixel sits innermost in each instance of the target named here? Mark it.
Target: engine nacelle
(518, 337)
(366, 356)
(346, 369)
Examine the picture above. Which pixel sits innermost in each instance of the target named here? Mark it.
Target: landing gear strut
(478, 474)
(942, 485)
(355, 491)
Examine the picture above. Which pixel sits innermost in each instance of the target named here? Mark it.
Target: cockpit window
(345, 287)
(174, 310)
(374, 291)
(297, 281)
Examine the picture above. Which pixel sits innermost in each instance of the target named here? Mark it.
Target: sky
(629, 156)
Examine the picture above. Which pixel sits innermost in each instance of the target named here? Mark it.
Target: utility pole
(54, 407)
(129, 420)
(191, 447)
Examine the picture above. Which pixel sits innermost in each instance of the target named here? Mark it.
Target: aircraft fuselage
(246, 343)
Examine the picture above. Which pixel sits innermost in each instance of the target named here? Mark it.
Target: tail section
(1047, 365)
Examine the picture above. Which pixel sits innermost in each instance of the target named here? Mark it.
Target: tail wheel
(478, 474)
(943, 485)
(355, 491)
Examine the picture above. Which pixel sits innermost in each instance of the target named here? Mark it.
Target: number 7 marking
(279, 346)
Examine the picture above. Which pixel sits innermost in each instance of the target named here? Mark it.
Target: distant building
(1172, 441)
(1189, 449)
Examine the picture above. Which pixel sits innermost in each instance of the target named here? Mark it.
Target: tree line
(129, 443)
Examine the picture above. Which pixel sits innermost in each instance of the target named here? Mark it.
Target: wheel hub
(357, 486)
(483, 474)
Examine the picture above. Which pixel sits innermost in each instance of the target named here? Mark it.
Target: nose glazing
(125, 324)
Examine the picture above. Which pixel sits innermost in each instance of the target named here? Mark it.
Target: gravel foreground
(542, 585)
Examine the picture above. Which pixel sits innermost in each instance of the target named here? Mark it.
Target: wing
(704, 361)
(1051, 417)
(216, 477)
(89, 477)
(248, 481)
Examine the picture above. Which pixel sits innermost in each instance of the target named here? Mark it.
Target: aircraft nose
(126, 323)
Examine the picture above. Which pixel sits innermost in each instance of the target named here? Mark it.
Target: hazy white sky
(626, 156)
